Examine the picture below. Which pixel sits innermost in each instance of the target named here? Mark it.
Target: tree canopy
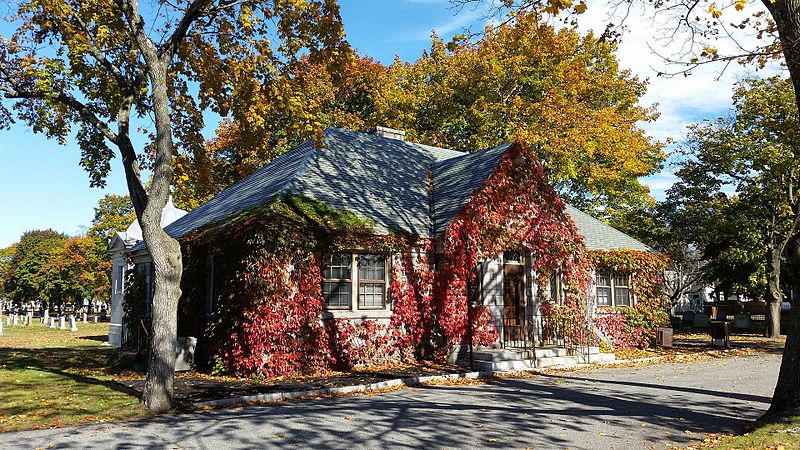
(559, 91)
(737, 188)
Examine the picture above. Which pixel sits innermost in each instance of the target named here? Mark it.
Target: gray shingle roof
(600, 236)
(455, 179)
(383, 180)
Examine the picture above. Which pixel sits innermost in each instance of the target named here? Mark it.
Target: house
(371, 248)
(119, 246)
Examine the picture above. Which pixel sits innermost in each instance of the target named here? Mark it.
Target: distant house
(121, 244)
(398, 285)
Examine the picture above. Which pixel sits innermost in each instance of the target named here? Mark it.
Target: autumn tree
(104, 68)
(561, 92)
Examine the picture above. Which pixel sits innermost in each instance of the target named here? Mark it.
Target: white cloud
(682, 100)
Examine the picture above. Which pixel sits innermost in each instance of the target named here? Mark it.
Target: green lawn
(782, 435)
(51, 378)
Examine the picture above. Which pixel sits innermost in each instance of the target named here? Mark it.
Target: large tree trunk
(786, 14)
(166, 254)
(774, 294)
(786, 398)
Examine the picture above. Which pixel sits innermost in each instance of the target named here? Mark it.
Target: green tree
(749, 155)
(99, 67)
(113, 213)
(25, 278)
(6, 258)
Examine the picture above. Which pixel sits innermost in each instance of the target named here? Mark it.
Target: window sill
(360, 314)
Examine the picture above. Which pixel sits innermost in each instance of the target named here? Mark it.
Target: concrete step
(549, 352)
(499, 355)
(538, 363)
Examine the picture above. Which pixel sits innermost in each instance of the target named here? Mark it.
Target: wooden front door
(514, 304)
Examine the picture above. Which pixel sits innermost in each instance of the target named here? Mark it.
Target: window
(613, 288)
(119, 282)
(209, 305)
(337, 280)
(512, 256)
(603, 282)
(556, 288)
(371, 281)
(621, 289)
(342, 286)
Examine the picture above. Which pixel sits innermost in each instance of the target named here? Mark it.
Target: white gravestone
(52, 322)
(85, 316)
(72, 325)
(1, 325)
(95, 319)
(14, 322)
(8, 320)
(62, 323)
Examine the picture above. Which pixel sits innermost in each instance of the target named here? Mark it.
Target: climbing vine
(634, 326)
(268, 318)
(516, 208)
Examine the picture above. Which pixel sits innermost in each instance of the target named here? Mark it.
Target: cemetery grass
(52, 378)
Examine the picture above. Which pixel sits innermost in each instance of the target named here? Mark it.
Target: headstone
(95, 319)
(185, 357)
(8, 320)
(62, 323)
(742, 321)
(52, 322)
(701, 320)
(46, 316)
(85, 316)
(15, 321)
(1, 325)
(72, 325)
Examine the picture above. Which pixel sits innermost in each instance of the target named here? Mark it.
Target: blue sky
(44, 187)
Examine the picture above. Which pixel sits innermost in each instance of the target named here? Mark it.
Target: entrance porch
(526, 338)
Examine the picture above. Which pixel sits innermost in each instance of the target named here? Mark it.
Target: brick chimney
(390, 133)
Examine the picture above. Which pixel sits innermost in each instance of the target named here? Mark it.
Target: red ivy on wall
(634, 326)
(516, 208)
(267, 319)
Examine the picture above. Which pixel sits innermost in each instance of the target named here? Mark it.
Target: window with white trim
(371, 281)
(612, 288)
(337, 280)
(344, 288)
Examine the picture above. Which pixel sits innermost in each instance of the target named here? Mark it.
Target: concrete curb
(398, 382)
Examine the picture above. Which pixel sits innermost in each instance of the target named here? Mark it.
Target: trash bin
(664, 337)
(720, 333)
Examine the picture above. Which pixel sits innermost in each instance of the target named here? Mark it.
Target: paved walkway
(625, 408)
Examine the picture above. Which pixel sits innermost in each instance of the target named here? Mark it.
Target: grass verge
(780, 435)
(52, 378)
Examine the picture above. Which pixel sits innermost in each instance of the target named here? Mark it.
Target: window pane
(602, 278)
(370, 295)
(336, 294)
(621, 278)
(512, 256)
(336, 266)
(372, 267)
(621, 297)
(604, 296)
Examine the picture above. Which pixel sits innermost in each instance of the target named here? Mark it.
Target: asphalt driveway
(647, 407)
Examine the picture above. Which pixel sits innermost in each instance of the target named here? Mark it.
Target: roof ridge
(302, 168)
